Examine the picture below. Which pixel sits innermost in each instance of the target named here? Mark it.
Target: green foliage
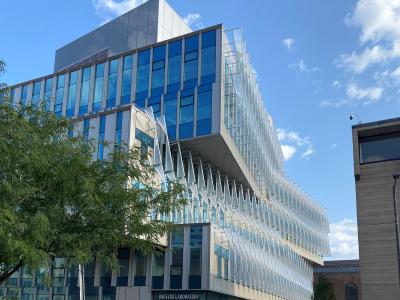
(56, 201)
(323, 289)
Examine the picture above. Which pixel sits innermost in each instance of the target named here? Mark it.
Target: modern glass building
(190, 101)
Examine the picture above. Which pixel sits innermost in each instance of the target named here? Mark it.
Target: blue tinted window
(47, 93)
(118, 130)
(186, 117)
(98, 87)
(192, 43)
(24, 94)
(174, 65)
(191, 61)
(175, 48)
(170, 102)
(86, 126)
(72, 94)
(176, 259)
(158, 68)
(196, 236)
(143, 72)
(208, 39)
(126, 80)
(36, 93)
(204, 103)
(102, 129)
(112, 83)
(59, 95)
(83, 107)
(159, 53)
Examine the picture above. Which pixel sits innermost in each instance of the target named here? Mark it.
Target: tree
(323, 289)
(56, 201)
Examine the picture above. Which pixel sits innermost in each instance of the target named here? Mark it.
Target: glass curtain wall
(102, 129)
(72, 89)
(24, 95)
(112, 83)
(191, 62)
(48, 86)
(176, 258)
(196, 236)
(118, 130)
(158, 79)
(142, 78)
(85, 86)
(36, 93)
(59, 95)
(126, 80)
(98, 88)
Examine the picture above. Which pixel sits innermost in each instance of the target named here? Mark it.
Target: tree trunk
(5, 275)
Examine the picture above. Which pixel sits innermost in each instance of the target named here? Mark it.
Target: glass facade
(85, 87)
(196, 235)
(186, 114)
(72, 89)
(118, 130)
(142, 78)
(112, 83)
(140, 269)
(48, 87)
(102, 130)
(191, 62)
(170, 112)
(174, 65)
(98, 88)
(59, 95)
(36, 93)
(24, 95)
(126, 80)
(176, 259)
(86, 127)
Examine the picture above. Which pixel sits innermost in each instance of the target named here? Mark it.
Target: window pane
(59, 95)
(47, 93)
(126, 80)
(385, 147)
(196, 235)
(174, 69)
(72, 94)
(176, 259)
(36, 93)
(83, 108)
(170, 116)
(98, 87)
(112, 83)
(204, 103)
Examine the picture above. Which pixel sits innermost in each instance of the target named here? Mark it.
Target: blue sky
(316, 61)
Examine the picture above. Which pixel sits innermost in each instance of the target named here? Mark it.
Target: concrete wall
(375, 214)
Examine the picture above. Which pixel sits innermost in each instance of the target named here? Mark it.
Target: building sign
(189, 295)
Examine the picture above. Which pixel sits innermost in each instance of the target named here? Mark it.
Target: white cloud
(336, 84)
(379, 21)
(288, 43)
(291, 141)
(343, 240)
(193, 21)
(302, 67)
(357, 95)
(365, 95)
(288, 151)
(109, 9)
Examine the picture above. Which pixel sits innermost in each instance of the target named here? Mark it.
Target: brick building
(345, 277)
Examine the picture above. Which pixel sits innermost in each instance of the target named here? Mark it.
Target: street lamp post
(396, 222)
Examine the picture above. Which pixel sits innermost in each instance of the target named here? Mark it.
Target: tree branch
(4, 276)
